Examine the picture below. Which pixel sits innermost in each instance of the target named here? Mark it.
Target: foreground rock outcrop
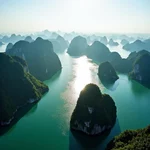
(18, 87)
(107, 73)
(131, 140)
(94, 113)
(42, 61)
(77, 46)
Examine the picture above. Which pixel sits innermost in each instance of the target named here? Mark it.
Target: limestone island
(59, 44)
(124, 42)
(112, 43)
(18, 87)
(137, 45)
(77, 46)
(107, 73)
(141, 71)
(104, 40)
(98, 52)
(94, 113)
(42, 61)
(29, 39)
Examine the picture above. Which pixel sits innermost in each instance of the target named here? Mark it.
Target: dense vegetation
(131, 140)
(107, 73)
(42, 61)
(94, 112)
(18, 87)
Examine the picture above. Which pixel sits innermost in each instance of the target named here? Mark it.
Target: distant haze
(106, 16)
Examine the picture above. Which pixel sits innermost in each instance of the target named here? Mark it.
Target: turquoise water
(46, 125)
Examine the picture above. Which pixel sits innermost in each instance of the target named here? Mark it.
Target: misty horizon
(80, 16)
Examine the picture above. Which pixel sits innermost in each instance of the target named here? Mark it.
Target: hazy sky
(125, 16)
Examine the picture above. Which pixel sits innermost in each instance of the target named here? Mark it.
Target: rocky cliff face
(107, 73)
(141, 70)
(64, 44)
(94, 113)
(42, 61)
(18, 87)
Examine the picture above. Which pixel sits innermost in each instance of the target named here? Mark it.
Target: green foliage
(21, 61)
(17, 86)
(42, 61)
(131, 140)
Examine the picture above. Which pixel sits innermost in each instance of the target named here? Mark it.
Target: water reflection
(111, 87)
(82, 73)
(20, 113)
(79, 140)
(138, 89)
(32, 110)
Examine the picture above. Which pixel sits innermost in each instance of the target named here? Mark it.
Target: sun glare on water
(82, 74)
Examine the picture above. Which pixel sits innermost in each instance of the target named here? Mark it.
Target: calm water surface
(46, 125)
